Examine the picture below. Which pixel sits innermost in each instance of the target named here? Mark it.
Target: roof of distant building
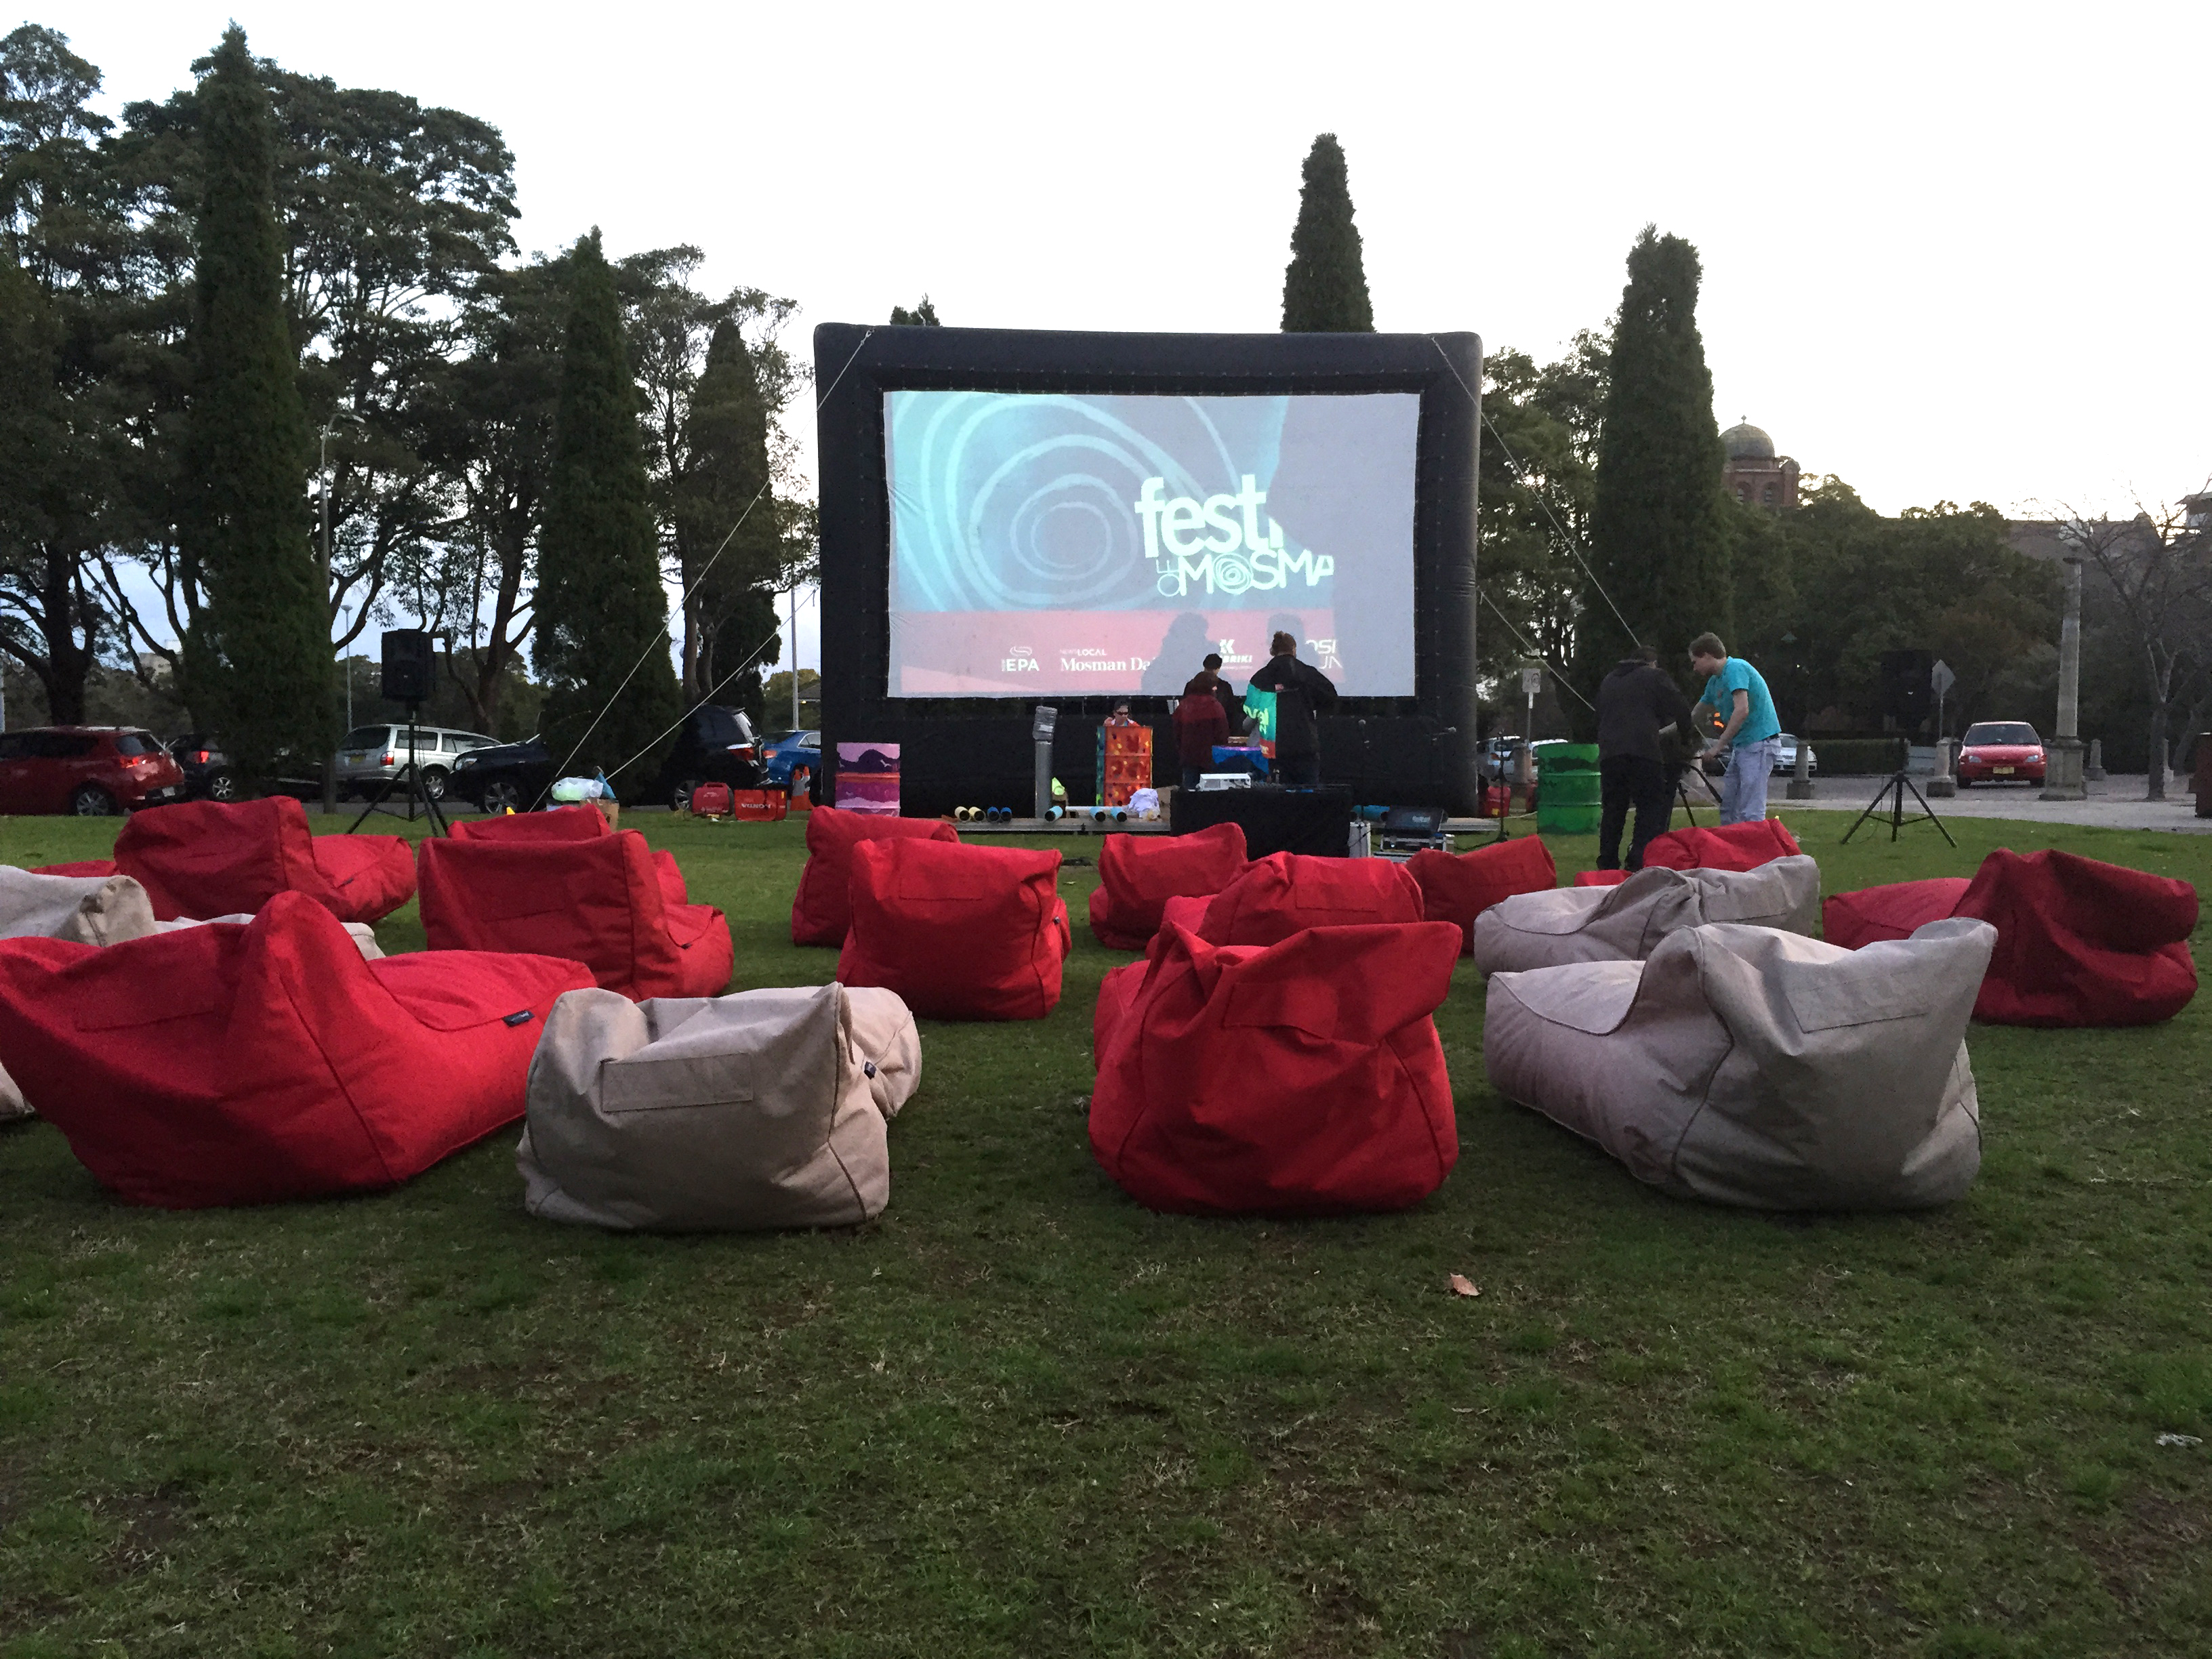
(1744, 441)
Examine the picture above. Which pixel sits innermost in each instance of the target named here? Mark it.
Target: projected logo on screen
(1104, 544)
(1214, 562)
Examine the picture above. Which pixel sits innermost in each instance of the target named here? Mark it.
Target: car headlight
(465, 760)
(1971, 756)
(2035, 754)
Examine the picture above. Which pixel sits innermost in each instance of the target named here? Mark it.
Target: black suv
(715, 745)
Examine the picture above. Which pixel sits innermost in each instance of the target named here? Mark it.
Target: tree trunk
(2158, 719)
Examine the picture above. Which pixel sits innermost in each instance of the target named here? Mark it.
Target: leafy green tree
(1325, 287)
(922, 316)
(601, 615)
(489, 428)
(64, 265)
(260, 657)
(1538, 465)
(1659, 535)
(393, 215)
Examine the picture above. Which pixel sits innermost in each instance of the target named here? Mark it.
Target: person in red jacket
(1200, 721)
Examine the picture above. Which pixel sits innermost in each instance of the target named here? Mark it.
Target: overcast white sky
(1951, 252)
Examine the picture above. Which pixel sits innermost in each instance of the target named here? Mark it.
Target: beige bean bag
(93, 910)
(763, 1110)
(103, 910)
(1749, 1066)
(1625, 923)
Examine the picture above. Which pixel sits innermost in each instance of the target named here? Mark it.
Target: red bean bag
(564, 824)
(1891, 912)
(1457, 887)
(599, 901)
(1138, 874)
(961, 932)
(585, 823)
(822, 909)
(1294, 1078)
(206, 857)
(100, 867)
(243, 1064)
(2080, 942)
(1726, 846)
(1601, 877)
(1286, 893)
(1117, 993)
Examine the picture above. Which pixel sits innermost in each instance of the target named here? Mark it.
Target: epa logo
(1019, 661)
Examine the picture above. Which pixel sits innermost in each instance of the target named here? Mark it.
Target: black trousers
(1299, 771)
(1625, 781)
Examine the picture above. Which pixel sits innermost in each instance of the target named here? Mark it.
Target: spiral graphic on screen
(1023, 503)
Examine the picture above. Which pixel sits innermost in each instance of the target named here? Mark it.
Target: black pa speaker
(1907, 694)
(407, 663)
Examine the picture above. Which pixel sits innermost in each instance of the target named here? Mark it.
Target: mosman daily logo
(1219, 545)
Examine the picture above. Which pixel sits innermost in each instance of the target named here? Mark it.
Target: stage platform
(1068, 826)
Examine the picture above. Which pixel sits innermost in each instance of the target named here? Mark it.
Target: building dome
(1745, 442)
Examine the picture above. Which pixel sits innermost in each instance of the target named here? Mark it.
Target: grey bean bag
(690, 1113)
(103, 910)
(93, 910)
(1752, 1066)
(1626, 923)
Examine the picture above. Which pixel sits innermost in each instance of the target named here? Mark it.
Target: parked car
(209, 774)
(1785, 757)
(780, 754)
(2000, 751)
(372, 754)
(503, 777)
(715, 745)
(91, 771)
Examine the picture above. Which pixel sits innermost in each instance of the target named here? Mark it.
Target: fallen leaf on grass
(2180, 1440)
(1462, 1285)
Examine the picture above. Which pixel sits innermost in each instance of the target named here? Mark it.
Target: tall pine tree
(1325, 289)
(601, 611)
(258, 661)
(1659, 531)
(728, 527)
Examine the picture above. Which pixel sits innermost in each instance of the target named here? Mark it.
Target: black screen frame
(975, 750)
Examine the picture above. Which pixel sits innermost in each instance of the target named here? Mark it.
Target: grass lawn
(1020, 1415)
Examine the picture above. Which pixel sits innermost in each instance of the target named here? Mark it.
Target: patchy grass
(1020, 1415)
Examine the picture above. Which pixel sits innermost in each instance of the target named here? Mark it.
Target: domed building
(1754, 472)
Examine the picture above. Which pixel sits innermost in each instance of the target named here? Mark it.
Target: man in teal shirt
(1734, 689)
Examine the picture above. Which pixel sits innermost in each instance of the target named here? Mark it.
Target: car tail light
(389, 760)
(201, 757)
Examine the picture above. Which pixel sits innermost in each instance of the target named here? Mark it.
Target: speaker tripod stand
(1892, 795)
(415, 792)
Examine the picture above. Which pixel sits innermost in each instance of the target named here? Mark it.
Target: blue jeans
(1743, 789)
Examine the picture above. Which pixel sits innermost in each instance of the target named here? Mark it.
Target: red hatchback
(2000, 751)
(92, 770)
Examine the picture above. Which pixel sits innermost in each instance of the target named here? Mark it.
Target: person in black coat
(1636, 704)
(1303, 694)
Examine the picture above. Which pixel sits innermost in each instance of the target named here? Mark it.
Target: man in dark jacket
(1201, 720)
(1636, 703)
(1303, 694)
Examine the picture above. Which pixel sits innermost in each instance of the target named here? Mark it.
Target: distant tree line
(1604, 520)
(426, 358)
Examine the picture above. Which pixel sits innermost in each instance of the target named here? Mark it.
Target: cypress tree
(1325, 288)
(600, 607)
(727, 434)
(258, 660)
(1659, 531)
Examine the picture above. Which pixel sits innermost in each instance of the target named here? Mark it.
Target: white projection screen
(1045, 543)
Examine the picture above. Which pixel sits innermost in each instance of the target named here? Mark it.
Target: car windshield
(365, 737)
(1997, 731)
